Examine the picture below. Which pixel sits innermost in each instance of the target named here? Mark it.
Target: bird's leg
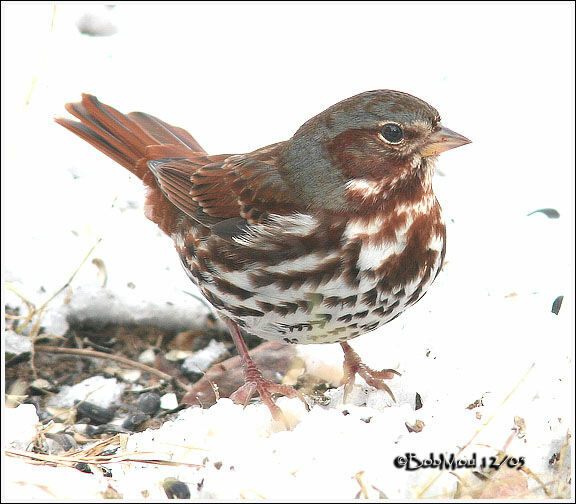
(255, 382)
(353, 365)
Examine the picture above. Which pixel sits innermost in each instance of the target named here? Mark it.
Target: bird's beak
(442, 140)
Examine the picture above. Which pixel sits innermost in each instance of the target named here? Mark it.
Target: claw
(265, 389)
(256, 383)
(353, 365)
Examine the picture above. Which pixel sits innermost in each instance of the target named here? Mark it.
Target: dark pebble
(65, 441)
(45, 417)
(149, 403)
(176, 489)
(96, 414)
(83, 466)
(135, 420)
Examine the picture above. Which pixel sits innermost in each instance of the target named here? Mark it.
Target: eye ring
(392, 133)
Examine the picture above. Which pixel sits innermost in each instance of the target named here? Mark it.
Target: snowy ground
(240, 76)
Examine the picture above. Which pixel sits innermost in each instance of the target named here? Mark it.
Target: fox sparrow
(317, 239)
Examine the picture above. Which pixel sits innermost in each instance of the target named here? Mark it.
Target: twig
(123, 360)
(37, 311)
(47, 49)
(67, 284)
(79, 457)
(31, 307)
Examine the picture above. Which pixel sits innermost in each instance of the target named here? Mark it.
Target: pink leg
(353, 365)
(255, 382)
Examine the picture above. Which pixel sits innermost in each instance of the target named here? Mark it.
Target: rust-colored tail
(126, 137)
(132, 140)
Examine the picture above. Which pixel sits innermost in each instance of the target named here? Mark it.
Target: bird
(316, 239)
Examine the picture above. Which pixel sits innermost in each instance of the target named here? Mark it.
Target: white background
(242, 75)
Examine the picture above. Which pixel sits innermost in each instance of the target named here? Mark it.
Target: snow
(103, 392)
(241, 76)
(20, 428)
(202, 359)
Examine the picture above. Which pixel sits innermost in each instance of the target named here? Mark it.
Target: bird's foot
(353, 365)
(256, 383)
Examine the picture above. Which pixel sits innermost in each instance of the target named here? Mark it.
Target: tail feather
(133, 140)
(102, 143)
(165, 133)
(125, 138)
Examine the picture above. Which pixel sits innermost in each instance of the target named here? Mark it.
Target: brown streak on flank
(275, 249)
(415, 295)
(266, 307)
(220, 252)
(332, 301)
(349, 301)
(281, 310)
(200, 275)
(243, 311)
(205, 263)
(321, 275)
(306, 306)
(351, 256)
(391, 308)
(370, 297)
(426, 275)
(213, 299)
(234, 290)
(286, 308)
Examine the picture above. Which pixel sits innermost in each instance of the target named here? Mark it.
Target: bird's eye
(392, 133)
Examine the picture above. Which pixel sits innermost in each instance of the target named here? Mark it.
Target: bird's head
(375, 142)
